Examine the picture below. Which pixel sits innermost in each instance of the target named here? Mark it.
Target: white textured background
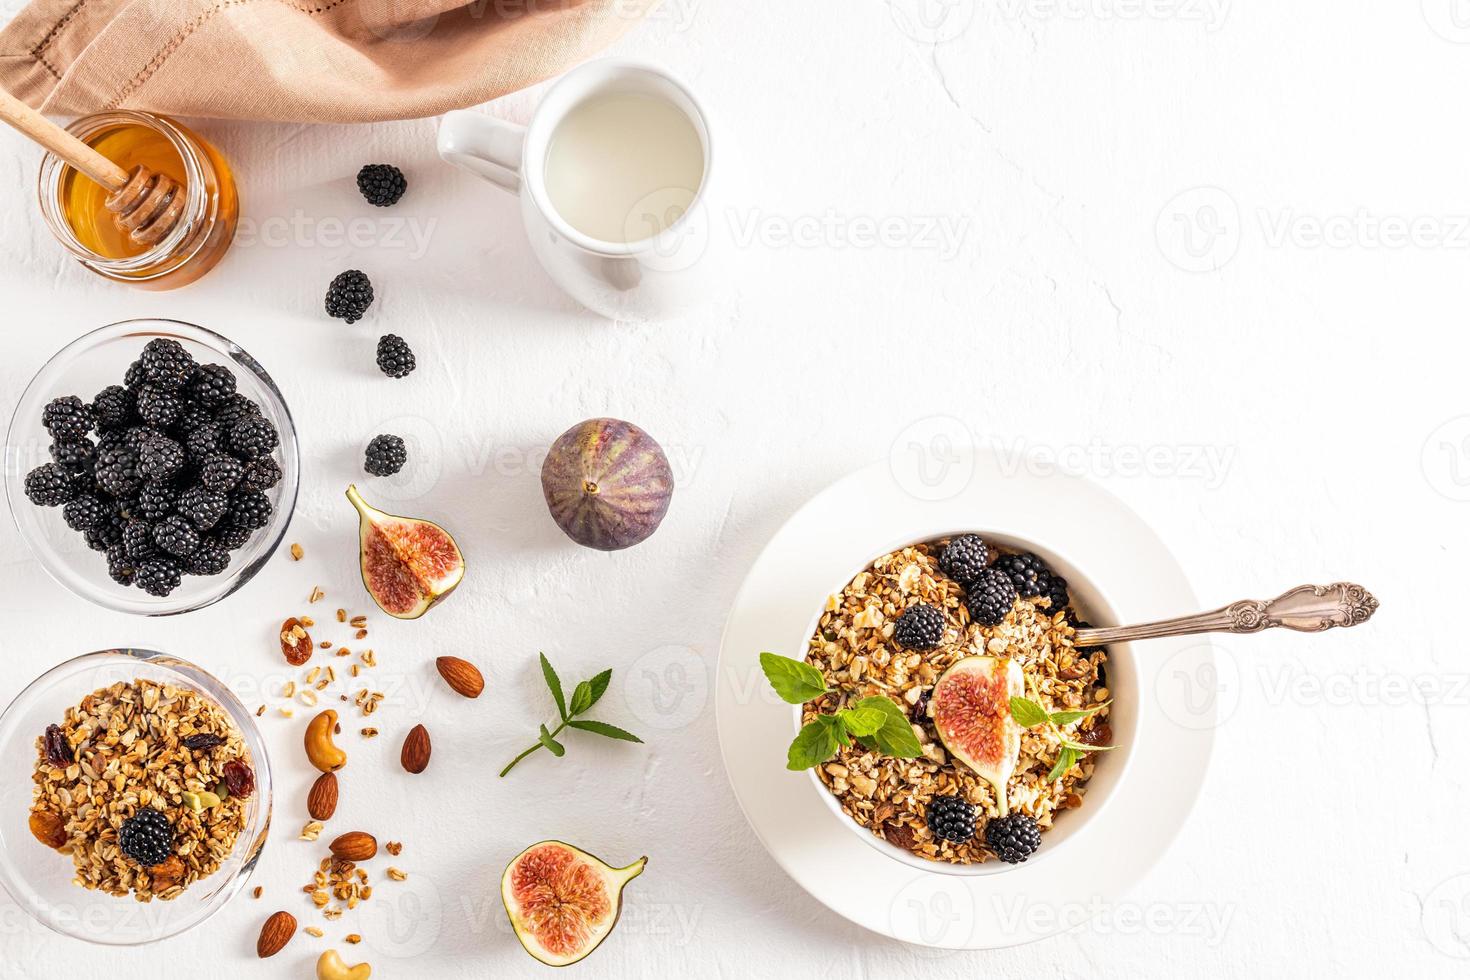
(1228, 239)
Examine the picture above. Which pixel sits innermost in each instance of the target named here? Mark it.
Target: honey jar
(73, 205)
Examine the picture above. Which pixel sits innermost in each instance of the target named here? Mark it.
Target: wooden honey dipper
(144, 205)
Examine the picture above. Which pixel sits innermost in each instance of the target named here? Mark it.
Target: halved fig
(562, 901)
(408, 566)
(971, 708)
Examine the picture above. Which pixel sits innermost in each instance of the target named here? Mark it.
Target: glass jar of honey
(74, 206)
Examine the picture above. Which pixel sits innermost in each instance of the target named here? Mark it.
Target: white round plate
(854, 521)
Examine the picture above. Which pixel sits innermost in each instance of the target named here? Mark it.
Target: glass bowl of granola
(135, 797)
(917, 626)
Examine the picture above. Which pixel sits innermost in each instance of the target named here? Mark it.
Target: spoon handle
(1307, 608)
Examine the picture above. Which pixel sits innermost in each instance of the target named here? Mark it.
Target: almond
(321, 802)
(355, 846)
(416, 750)
(275, 934)
(464, 677)
(48, 828)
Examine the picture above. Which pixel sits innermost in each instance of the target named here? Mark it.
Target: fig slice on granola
(971, 707)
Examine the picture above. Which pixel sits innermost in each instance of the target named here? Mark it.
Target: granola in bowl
(864, 647)
(145, 785)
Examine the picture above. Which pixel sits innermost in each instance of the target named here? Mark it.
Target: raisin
(202, 742)
(239, 779)
(1101, 734)
(919, 713)
(295, 642)
(899, 836)
(58, 749)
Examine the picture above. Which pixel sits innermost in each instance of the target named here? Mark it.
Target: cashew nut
(320, 749)
(330, 967)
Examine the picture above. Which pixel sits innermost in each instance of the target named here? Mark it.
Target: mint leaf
(1065, 761)
(555, 747)
(599, 685)
(1067, 717)
(896, 738)
(554, 682)
(862, 721)
(817, 742)
(1028, 713)
(581, 698)
(602, 728)
(796, 682)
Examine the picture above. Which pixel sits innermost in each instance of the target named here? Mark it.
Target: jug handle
(485, 146)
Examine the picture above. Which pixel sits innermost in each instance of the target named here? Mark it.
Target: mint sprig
(1029, 714)
(584, 696)
(876, 722)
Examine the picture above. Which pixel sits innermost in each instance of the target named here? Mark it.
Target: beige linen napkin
(297, 60)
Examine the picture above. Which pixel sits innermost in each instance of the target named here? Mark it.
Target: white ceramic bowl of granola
(40, 879)
(1174, 696)
(1122, 678)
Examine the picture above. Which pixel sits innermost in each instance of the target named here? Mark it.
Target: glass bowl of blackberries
(152, 467)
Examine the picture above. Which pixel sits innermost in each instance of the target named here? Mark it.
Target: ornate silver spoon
(1306, 608)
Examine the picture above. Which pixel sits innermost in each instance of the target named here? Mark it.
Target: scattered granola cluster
(855, 649)
(134, 747)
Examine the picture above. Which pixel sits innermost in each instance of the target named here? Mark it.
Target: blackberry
(233, 537)
(147, 837)
(175, 535)
(158, 576)
(382, 184)
(117, 472)
(67, 419)
(395, 359)
(203, 507)
(252, 437)
(74, 457)
(964, 557)
(156, 500)
(210, 558)
(349, 295)
(921, 627)
(951, 818)
(166, 365)
(221, 473)
(192, 416)
(115, 407)
(232, 410)
(249, 510)
(158, 407)
(261, 475)
(1034, 580)
(1028, 573)
(49, 485)
(160, 458)
(212, 384)
(137, 540)
(990, 596)
(385, 455)
(135, 377)
(85, 513)
(204, 441)
(1013, 838)
(85, 480)
(136, 437)
(106, 536)
(119, 566)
